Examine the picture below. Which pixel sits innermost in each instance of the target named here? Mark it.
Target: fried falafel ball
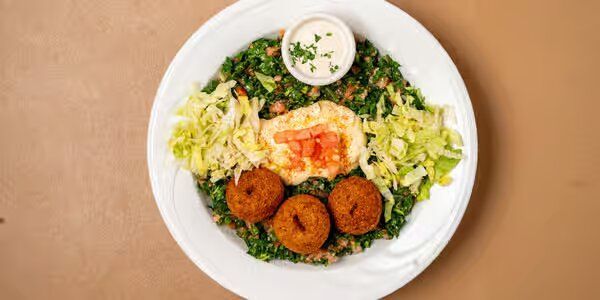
(302, 224)
(355, 204)
(256, 196)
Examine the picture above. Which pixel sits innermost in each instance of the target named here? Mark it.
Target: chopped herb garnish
(327, 54)
(333, 68)
(329, 34)
(312, 67)
(302, 53)
(317, 38)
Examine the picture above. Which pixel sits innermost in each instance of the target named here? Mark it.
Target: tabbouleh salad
(395, 117)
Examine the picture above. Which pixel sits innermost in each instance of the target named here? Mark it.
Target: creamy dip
(318, 48)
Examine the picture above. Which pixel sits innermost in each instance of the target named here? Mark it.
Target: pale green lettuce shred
(217, 135)
(409, 148)
(267, 82)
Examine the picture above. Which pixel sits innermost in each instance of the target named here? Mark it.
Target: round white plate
(381, 269)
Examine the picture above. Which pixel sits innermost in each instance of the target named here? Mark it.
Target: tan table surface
(78, 220)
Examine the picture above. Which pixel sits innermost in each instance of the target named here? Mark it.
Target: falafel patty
(302, 224)
(355, 204)
(256, 196)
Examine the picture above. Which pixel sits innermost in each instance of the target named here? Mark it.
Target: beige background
(77, 217)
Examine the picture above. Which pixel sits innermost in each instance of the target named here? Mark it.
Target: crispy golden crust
(302, 224)
(256, 196)
(355, 204)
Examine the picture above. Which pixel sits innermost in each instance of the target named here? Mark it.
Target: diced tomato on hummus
(317, 143)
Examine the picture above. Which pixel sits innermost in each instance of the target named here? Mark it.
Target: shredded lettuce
(409, 147)
(425, 188)
(217, 135)
(442, 167)
(267, 81)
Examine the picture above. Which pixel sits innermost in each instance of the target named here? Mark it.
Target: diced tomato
(382, 82)
(317, 151)
(240, 91)
(277, 108)
(296, 147)
(273, 51)
(291, 135)
(308, 147)
(283, 136)
(314, 92)
(349, 92)
(329, 139)
(317, 129)
(280, 137)
(316, 142)
(301, 134)
(328, 153)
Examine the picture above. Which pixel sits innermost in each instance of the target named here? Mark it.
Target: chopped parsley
(306, 53)
(329, 34)
(327, 54)
(302, 53)
(333, 68)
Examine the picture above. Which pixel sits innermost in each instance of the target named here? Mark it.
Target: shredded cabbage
(218, 134)
(409, 148)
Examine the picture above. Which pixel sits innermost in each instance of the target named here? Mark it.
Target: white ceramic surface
(380, 270)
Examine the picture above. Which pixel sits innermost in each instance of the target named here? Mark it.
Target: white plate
(380, 270)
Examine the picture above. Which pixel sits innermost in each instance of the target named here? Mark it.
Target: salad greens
(409, 146)
(267, 81)
(409, 149)
(218, 134)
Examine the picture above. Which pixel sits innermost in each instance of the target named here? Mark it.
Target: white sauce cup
(328, 66)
